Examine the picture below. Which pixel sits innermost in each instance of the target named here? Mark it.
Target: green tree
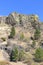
(14, 55)
(37, 34)
(12, 33)
(39, 54)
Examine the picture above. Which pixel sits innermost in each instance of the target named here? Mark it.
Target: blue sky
(22, 6)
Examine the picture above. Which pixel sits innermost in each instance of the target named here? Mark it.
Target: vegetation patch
(39, 55)
(17, 55)
(12, 33)
(37, 34)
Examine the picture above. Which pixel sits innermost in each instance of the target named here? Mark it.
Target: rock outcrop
(29, 22)
(26, 22)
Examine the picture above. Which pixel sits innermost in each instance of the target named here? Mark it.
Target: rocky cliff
(25, 22)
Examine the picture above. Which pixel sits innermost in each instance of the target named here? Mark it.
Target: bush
(21, 55)
(12, 33)
(17, 55)
(39, 54)
(22, 36)
(37, 34)
(14, 54)
(4, 39)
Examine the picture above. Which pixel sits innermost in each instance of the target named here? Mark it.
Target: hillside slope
(25, 28)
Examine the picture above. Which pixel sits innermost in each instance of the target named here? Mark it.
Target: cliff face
(22, 20)
(27, 23)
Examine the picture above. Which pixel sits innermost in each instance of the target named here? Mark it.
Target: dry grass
(4, 63)
(17, 63)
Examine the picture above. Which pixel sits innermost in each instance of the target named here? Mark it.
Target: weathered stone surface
(4, 56)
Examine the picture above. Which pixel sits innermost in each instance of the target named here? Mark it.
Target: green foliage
(12, 33)
(33, 44)
(39, 54)
(4, 39)
(22, 36)
(14, 55)
(37, 34)
(17, 55)
(21, 55)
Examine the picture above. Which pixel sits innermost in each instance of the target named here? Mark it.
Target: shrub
(22, 36)
(39, 54)
(17, 55)
(12, 33)
(4, 39)
(37, 34)
(21, 55)
(14, 54)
